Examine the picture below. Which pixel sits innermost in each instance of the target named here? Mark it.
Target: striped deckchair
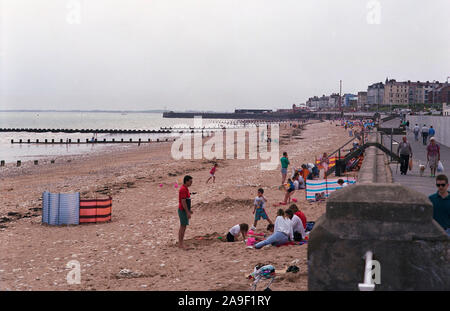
(97, 210)
(324, 187)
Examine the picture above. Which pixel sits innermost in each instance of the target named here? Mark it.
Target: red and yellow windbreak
(97, 210)
(332, 162)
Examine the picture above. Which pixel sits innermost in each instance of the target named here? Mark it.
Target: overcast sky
(212, 54)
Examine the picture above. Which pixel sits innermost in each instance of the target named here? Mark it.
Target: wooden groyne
(163, 130)
(108, 131)
(89, 141)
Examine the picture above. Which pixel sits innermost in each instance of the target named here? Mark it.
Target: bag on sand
(410, 164)
(440, 167)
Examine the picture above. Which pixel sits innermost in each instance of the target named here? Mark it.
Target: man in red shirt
(184, 208)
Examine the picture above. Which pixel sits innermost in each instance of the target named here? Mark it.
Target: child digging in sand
(259, 210)
(233, 234)
(212, 173)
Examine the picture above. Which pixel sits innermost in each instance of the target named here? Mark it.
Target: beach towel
(293, 243)
(251, 232)
(251, 241)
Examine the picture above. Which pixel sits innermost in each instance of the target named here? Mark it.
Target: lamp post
(432, 102)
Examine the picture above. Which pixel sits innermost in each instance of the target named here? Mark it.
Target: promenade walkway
(424, 184)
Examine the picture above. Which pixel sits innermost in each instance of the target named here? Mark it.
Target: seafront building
(411, 93)
(323, 102)
(390, 93)
(349, 100)
(440, 95)
(362, 100)
(375, 94)
(396, 93)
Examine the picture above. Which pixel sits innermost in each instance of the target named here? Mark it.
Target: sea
(82, 120)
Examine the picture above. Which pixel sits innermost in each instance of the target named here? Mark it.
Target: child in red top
(212, 173)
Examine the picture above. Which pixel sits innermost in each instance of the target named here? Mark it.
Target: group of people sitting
(289, 226)
(298, 180)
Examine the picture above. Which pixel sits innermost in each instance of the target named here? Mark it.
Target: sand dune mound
(226, 203)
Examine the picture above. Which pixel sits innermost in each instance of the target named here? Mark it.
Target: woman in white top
(297, 228)
(282, 232)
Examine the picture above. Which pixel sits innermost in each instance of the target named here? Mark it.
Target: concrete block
(395, 223)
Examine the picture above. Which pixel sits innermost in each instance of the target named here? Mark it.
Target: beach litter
(293, 269)
(262, 272)
(127, 273)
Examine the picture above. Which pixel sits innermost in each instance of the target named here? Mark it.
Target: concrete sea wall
(441, 125)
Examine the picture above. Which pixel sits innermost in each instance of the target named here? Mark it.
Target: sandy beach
(142, 236)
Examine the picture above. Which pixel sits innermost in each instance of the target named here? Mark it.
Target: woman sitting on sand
(283, 232)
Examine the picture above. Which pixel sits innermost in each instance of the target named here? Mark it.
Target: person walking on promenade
(431, 131)
(404, 151)
(425, 134)
(433, 155)
(184, 208)
(441, 203)
(416, 131)
(284, 166)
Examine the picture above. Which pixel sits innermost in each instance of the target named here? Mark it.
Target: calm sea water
(79, 120)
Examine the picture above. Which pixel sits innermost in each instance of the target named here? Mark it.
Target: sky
(212, 54)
